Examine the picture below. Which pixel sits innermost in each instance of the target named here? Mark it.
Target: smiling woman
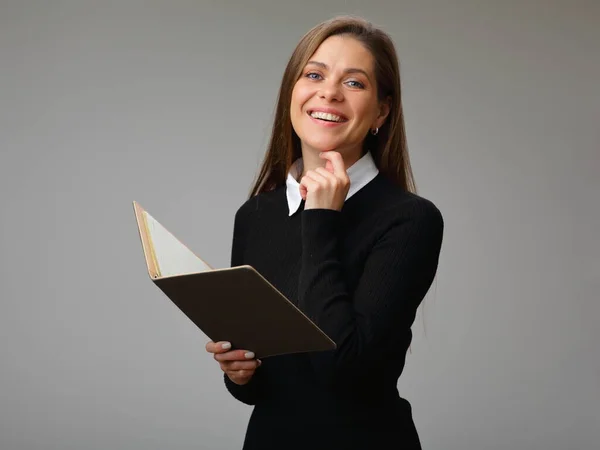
(333, 221)
(334, 102)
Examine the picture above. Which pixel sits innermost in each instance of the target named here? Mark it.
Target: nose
(330, 91)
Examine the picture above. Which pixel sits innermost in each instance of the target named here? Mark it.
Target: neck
(311, 159)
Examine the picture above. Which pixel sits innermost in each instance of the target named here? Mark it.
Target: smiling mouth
(327, 117)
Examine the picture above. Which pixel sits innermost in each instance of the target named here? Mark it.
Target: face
(334, 102)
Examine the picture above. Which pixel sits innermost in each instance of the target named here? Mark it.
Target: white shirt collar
(360, 174)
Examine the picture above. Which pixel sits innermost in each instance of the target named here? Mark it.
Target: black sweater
(360, 275)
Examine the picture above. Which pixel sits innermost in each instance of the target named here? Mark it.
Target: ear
(384, 110)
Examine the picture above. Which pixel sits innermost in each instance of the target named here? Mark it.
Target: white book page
(172, 257)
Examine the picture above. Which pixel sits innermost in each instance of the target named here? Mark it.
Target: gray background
(170, 103)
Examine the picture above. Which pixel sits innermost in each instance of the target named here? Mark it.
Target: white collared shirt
(360, 174)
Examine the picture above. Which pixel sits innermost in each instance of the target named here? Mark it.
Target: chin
(323, 145)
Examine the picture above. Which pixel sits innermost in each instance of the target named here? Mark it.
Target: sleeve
(376, 317)
(247, 393)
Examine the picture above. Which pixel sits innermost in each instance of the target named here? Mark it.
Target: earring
(375, 131)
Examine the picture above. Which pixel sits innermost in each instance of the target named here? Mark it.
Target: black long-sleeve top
(360, 275)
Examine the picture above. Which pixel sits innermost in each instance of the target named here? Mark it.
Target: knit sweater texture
(360, 275)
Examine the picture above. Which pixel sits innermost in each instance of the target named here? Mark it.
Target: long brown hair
(388, 147)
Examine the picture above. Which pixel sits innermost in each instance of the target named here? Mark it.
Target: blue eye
(313, 76)
(357, 84)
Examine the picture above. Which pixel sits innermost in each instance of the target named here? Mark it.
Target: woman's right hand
(238, 365)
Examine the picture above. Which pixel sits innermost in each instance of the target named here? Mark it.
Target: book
(234, 304)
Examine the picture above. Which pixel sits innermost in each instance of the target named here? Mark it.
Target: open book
(234, 304)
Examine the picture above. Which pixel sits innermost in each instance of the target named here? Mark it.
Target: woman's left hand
(326, 188)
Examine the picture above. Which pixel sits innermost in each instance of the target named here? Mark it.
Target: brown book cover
(235, 304)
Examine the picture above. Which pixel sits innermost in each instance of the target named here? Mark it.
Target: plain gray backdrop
(170, 103)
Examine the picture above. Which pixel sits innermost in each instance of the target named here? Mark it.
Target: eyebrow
(349, 70)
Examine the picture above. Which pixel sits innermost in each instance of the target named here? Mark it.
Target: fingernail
(259, 362)
(249, 355)
(226, 346)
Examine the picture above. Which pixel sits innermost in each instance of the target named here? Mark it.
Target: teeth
(326, 116)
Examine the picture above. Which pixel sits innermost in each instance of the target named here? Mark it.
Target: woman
(334, 223)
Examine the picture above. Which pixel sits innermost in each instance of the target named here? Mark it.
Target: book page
(172, 257)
